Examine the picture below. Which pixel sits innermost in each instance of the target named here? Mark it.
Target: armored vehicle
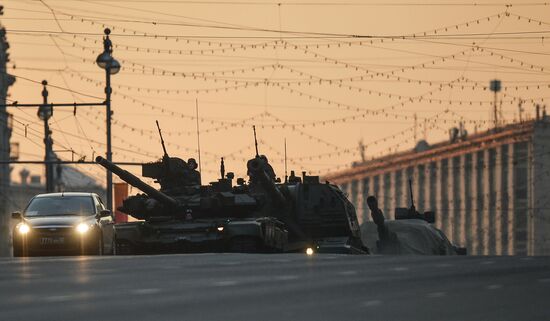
(411, 233)
(261, 215)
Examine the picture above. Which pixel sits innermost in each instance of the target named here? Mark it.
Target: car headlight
(309, 251)
(23, 228)
(82, 228)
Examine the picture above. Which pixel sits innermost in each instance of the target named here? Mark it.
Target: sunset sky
(323, 75)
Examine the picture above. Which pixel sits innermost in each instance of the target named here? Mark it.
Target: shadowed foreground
(275, 287)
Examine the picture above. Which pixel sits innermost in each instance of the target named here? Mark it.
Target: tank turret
(137, 183)
(214, 200)
(261, 175)
(174, 175)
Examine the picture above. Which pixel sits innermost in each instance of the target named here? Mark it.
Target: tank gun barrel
(256, 169)
(136, 182)
(378, 218)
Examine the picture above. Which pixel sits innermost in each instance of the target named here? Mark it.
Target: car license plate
(52, 240)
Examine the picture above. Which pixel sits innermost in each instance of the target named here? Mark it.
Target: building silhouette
(490, 191)
(6, 119)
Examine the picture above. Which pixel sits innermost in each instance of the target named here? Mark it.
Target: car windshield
(60, 205)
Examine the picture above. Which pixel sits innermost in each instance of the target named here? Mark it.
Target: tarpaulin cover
(407, 237)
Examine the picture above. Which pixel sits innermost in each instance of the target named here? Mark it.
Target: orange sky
(312, 84)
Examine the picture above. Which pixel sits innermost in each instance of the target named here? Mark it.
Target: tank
(317, 215)
(261, 215)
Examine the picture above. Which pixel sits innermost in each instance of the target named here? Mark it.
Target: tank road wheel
(244, 244)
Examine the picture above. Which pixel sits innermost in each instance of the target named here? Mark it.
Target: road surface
(274, 287)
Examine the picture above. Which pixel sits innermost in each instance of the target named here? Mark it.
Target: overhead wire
(326, 3)
(434, 99)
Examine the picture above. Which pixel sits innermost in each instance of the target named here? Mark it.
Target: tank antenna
(198, 134)
(255, 140)
(162, 140)
(286, 173)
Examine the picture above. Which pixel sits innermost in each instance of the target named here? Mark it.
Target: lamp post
(45, 111)
(495, 86)
(106, 61)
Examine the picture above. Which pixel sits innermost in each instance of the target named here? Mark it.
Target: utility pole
(111, 66)
(495, 86)
(415, 128)
(106, 61)
(6, 81)
(520, 110)
(362, 149)
(425, 129)
(109, 114)
(45, 112)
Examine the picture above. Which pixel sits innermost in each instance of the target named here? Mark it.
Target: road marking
(494, 286)
(225, 283)
(26, 275)
(278, 261)
(59, 298)
(436, 294)
(23, 299)
(286, 277)
(444, 265)
(351, 272)
(487, 262)
(400, 268)
(547, 280)
(145, 291)
(372, 303)
(231, 263)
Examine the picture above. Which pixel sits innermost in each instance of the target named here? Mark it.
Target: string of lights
(318, 80)
(470, 102)
(284, 124)
(309, 81)
(332, 3)
(241, 83)
(420, 98)
(518, 35)
(231, 27)
(242, 123)
(392, 74)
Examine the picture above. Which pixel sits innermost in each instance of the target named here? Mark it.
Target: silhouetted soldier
(268, 169)
(194, 175)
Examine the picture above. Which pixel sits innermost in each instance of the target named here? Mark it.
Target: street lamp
(45, 111)
(106, 61)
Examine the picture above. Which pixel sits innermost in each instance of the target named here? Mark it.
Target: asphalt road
(275, 287)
